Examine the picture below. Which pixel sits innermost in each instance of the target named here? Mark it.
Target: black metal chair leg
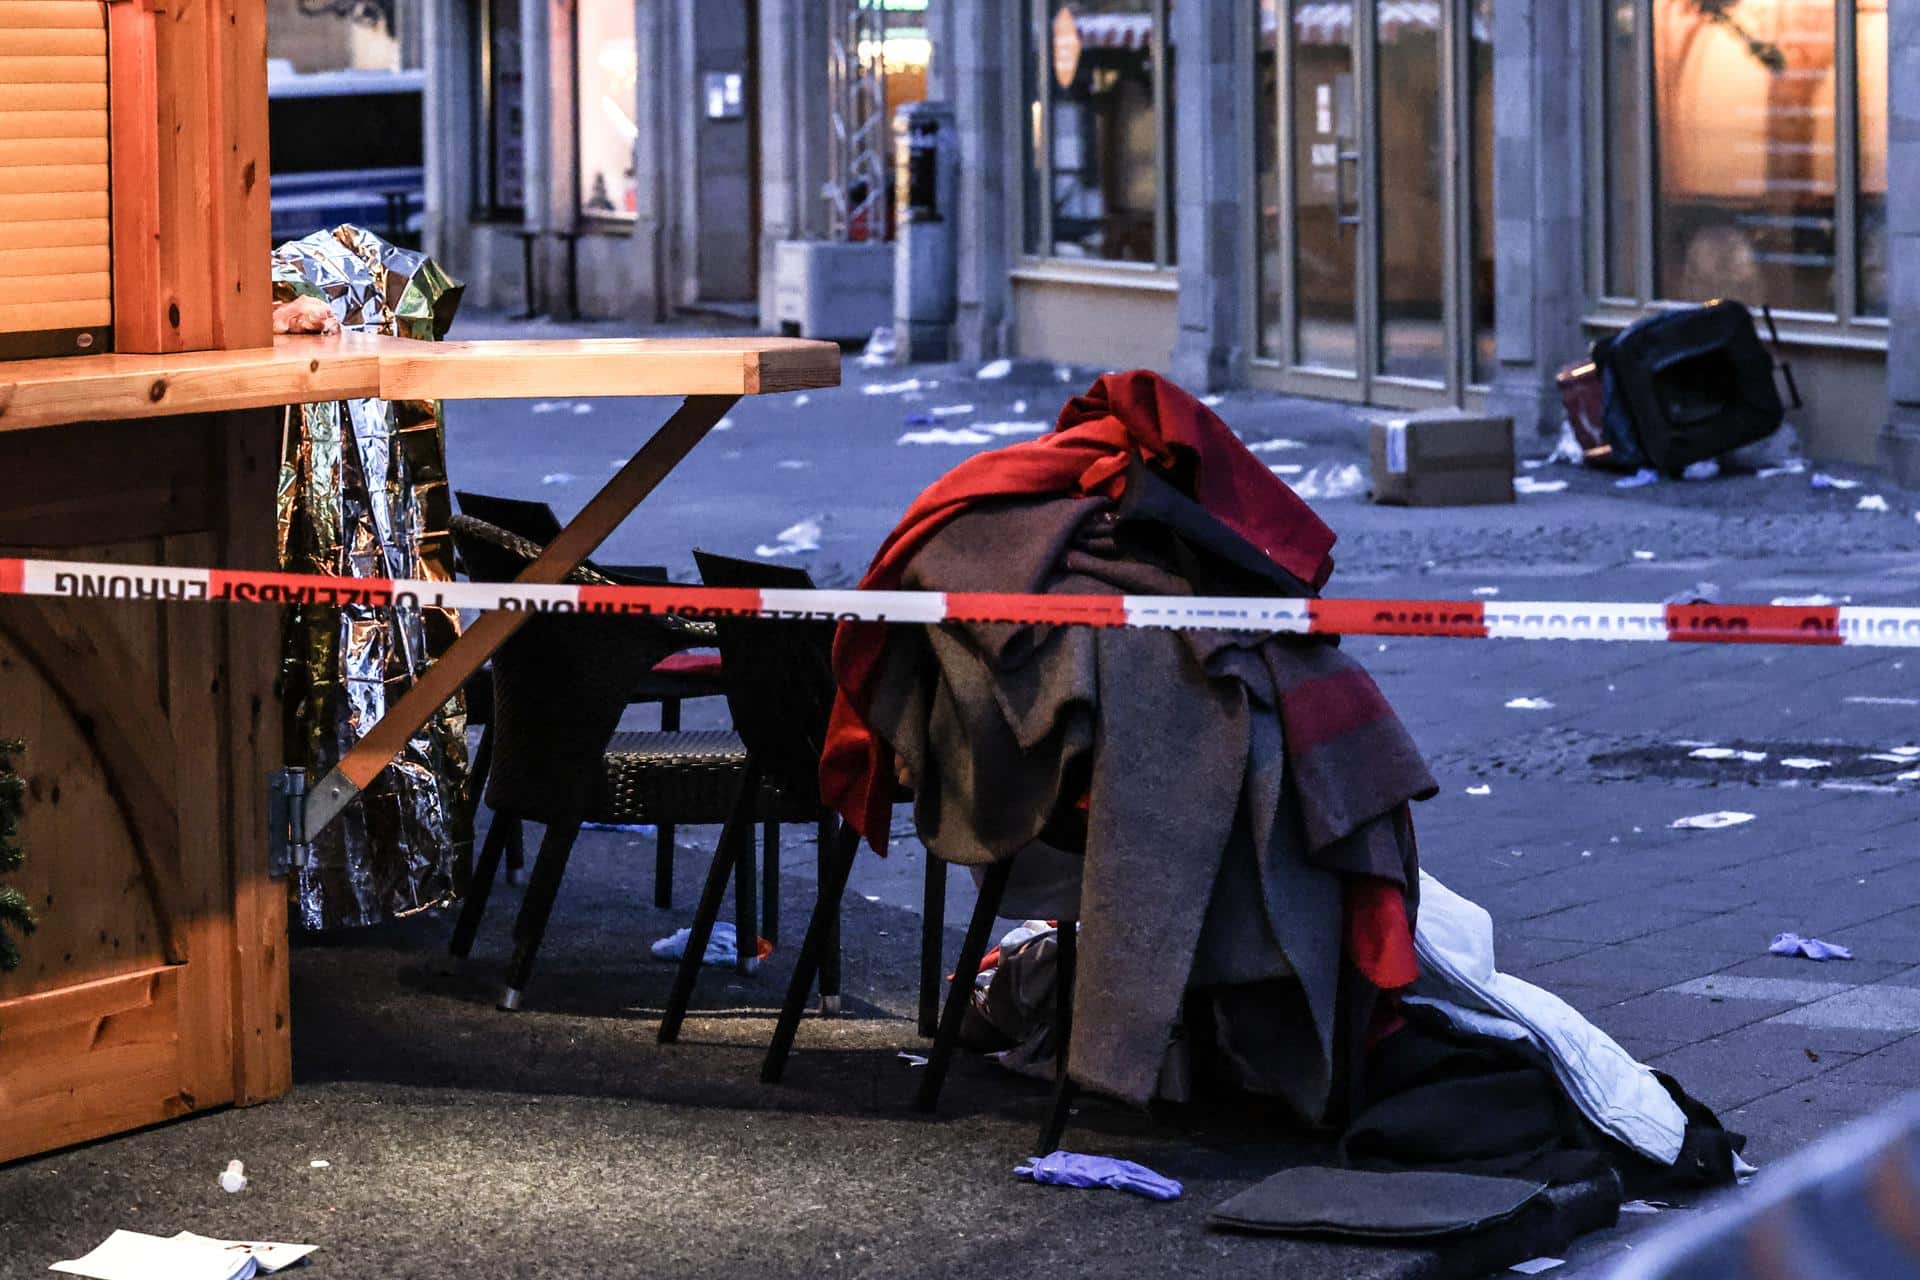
(985, 911)
(543, 887)
(838, 848)
(770, 882)
(1066, 957)
(932, 943)
(476, 787)
(828, 955)
(478, 887)
(663, 840)
(516, 849)
(746, 904)
(738, 828)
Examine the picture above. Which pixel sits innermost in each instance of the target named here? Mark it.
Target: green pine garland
(16, 914)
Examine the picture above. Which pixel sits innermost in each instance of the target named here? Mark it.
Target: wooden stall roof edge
(301, 369)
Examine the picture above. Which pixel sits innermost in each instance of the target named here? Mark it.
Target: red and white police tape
(1874, 627)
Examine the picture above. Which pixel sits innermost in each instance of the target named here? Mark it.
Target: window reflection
(1480, 140)
(1266, 163)
(1621, 183)
(506, 124)
(1870, 54)
(607, 74)
(1103, 130)
(1745, 103)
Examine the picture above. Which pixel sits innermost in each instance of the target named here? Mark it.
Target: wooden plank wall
(188, 129)
(157, 983)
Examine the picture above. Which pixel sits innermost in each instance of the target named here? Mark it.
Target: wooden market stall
(138, 379)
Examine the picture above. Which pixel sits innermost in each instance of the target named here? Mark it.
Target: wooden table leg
(467, 654)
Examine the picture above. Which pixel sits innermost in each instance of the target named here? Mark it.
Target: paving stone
(1896, 1063)
(1890, 1008)
(1627, 969)
(1681, 1019)
(1787, 992)
(1747, 1063)
(1793, 1118)
(1615, 920)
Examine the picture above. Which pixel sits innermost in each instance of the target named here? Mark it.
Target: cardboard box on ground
(1443, 458)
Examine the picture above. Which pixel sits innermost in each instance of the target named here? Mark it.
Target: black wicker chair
(1067, 833)
(779, 683)
(670, 683)
(560, 687)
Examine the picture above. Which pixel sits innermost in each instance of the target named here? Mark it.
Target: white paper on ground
(135, 1255)
(1331, 480)
(945, 435)
(1727, 753)
(1534, 1266)
(1529, 704)
(795, 539)
(270, 1255)
(1528, 485)
(1711, 821)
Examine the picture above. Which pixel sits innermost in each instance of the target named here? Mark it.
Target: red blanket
(1088, 452)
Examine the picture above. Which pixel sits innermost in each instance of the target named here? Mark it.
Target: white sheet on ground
(1454, 941)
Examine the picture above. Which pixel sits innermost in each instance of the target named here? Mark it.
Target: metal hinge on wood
(287, 846)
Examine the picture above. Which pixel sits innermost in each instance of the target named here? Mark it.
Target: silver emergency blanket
(362, 492)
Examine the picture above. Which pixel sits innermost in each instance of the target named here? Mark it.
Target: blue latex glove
(1065, 1169)
(1792, 944)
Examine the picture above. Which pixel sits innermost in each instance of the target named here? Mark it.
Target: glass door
(1375, 211)
(1328, 176)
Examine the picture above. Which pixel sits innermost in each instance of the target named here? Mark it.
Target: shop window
(1761, 172)
(1480, 80)
(1099, 137)
(1870, 197)
(1266, 176)
(502, 131)
(606, 70)
(1620, 174)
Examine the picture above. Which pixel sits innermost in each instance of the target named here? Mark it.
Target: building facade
(1414, 203)
(643, 156)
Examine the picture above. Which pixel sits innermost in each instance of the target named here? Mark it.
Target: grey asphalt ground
(563, 1141)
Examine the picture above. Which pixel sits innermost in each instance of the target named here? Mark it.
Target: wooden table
(158, 983)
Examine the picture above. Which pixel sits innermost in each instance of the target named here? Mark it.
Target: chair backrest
(535, 523)
(560, 685)
(534, 520)
(778, 675)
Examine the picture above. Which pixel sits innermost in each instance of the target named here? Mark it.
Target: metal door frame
(1365, 384)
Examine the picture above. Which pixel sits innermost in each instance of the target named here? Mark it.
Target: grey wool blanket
(1214, 849)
